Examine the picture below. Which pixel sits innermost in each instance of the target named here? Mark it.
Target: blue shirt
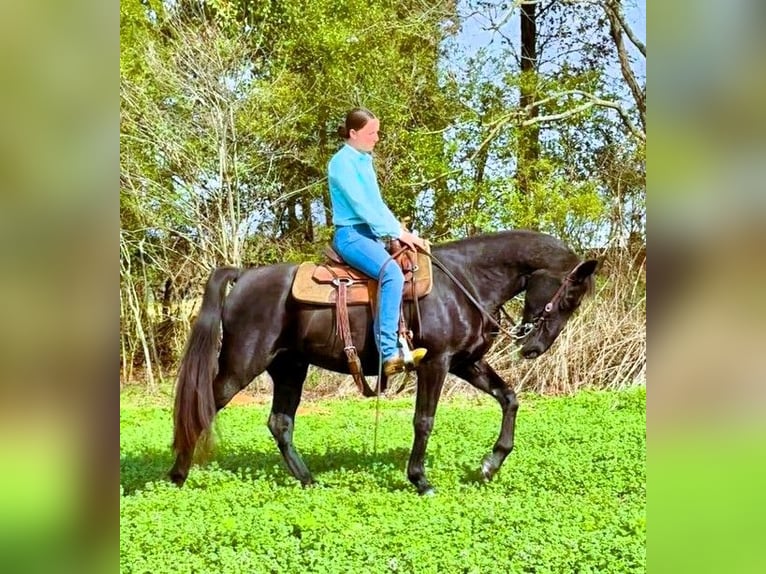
(355, 195)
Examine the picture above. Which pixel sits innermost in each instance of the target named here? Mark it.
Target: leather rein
(519, 331)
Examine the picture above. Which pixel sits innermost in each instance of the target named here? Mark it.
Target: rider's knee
(392, 274)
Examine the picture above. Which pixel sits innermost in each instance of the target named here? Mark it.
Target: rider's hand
(412, 241)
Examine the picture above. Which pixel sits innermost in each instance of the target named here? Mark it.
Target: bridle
(523, 330)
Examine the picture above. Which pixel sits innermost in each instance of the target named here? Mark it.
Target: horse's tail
(194, 402)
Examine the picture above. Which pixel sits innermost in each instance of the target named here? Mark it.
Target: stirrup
(410, 356)
(396, 364)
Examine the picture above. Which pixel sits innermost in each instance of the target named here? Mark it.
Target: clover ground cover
(570, 498)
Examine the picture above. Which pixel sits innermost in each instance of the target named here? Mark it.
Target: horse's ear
(583, 271)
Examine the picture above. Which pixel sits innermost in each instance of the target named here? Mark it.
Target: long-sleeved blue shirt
(355, 195)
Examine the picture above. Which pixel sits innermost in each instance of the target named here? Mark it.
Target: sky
(474, 36)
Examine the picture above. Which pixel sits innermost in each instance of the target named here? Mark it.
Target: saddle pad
(311, 283)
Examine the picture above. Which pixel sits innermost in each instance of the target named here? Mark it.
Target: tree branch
(616, 9)
(615, 30)
(593, 100)
(561, 116)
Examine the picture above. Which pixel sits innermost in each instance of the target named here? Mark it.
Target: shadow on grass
(136, 470)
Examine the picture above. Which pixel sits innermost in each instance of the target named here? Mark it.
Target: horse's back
(259, 291)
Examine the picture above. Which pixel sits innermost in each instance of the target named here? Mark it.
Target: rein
(520, 331)
(511, 333)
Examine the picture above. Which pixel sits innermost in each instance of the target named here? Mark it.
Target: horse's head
(548, 304)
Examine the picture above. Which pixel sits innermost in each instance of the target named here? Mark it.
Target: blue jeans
(360, 249)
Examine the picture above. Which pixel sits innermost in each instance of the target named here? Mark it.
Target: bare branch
(434, 179)
(616, 9)
(624, 116)
(519, 113)
(615, 30)
(560, 116)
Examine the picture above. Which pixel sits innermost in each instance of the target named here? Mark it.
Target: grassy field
(570, 498)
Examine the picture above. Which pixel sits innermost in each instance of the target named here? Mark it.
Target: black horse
(265, 329)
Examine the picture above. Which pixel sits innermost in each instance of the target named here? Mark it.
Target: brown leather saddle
(335, 283)
(318, 283)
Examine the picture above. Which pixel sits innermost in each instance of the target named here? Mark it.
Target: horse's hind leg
(288, 373)
(484, 378)
(225, 386)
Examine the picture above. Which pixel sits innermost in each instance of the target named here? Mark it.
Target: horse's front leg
(430, 381)
(483, 377)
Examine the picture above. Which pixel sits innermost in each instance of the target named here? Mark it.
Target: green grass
(570, 498)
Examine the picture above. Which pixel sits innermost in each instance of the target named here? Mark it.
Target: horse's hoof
(487, 470)
(428, 492)
(177, 479)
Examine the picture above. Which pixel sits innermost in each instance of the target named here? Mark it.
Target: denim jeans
(359, 248)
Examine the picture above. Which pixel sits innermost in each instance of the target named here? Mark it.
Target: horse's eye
(569, 304)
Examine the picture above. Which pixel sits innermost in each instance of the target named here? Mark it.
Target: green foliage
(229, 112)
(135, 29)
(212, 106)
(570, 498)
(557, 205)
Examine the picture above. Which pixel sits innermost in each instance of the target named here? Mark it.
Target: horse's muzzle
(532, 349)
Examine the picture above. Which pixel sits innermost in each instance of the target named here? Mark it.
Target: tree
(540, 99)
(227, 122)
(229, 112)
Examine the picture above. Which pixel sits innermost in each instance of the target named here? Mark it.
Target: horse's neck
(495, 283)
(495, 273)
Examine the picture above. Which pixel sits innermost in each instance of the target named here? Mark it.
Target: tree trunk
(325, 152)
(529, 136)
(308, 221)
(167, 298)
(292, 225)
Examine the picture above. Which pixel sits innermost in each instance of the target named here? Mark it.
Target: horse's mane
(504, 237)
(531, 245)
